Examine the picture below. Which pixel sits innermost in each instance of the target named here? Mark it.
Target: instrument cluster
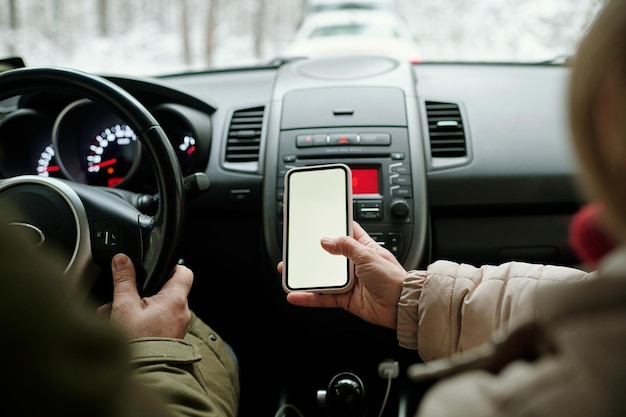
(88, 143)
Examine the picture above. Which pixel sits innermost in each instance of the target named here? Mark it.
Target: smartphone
(317, 203)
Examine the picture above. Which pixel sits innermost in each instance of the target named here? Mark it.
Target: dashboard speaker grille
(446, 130)
(244, 135)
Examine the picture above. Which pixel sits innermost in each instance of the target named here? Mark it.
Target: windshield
(163, 36)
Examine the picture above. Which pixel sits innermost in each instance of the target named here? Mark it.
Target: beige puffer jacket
(452, 307)
(567, 361)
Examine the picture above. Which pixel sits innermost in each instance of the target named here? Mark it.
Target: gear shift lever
(344, 397)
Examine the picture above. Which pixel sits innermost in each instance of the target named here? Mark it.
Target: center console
(362, 112)
(364, 122)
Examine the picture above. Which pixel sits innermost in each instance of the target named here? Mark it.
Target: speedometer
(95, 146)
(111, 155)
(46, 163)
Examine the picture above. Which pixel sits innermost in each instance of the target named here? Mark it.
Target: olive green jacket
(196, 376)
(60, 359)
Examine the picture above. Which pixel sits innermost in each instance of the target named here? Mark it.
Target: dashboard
(466, 162)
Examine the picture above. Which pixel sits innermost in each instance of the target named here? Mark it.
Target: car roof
(354, 32)
(331, 22)
(323, 5)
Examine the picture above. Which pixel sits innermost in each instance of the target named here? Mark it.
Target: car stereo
(381, 176)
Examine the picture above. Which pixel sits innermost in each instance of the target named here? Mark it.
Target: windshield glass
(163, 36)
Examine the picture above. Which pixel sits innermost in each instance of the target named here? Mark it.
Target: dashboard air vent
(244, 135)
(446, 130)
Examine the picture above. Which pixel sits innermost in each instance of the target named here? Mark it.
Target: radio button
(378, 238)
(399, 168)
(304, 141)
(398, 179)
(394, 243)
(343, 139)
(401, 191)
(307, 141)
(379, 139)
(320, 139)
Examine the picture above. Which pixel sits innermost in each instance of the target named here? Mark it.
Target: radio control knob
(399, 208)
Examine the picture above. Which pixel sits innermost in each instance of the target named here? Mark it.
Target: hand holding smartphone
(317, 203)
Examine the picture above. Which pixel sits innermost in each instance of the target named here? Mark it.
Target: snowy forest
(163, 36)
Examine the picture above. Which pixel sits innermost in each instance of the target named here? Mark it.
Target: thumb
(342, 245)
(124, 278)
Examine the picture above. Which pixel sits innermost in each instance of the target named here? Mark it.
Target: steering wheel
(84, 226)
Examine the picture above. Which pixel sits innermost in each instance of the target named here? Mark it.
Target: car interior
(469, 162)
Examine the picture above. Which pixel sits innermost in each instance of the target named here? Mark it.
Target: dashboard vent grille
(446, 130)
(244, 135)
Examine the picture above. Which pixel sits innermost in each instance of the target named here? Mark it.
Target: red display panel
(365, 181)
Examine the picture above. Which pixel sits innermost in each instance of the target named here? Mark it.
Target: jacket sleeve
(197, 376)
(452, 307)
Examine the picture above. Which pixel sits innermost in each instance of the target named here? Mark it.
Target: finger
(358, 231)
(309, 299)
(279, 267)
(362, 236)
(179, 284)
(124, 279)
(104, 310)
(342, 245)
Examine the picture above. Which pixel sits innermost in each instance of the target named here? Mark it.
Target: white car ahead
(354, 32)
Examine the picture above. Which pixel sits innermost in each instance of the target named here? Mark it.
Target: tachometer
(26, 144)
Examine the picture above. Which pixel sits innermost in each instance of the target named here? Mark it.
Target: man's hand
(165, 314)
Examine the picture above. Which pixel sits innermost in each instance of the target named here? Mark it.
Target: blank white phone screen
(317, 206)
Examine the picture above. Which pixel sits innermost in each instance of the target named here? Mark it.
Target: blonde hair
(597, 112)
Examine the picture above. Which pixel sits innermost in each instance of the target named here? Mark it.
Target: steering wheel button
(99, 235)
(111, 241)
(106, 237)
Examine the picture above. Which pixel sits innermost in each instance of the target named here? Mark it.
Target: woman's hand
(378, 280)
